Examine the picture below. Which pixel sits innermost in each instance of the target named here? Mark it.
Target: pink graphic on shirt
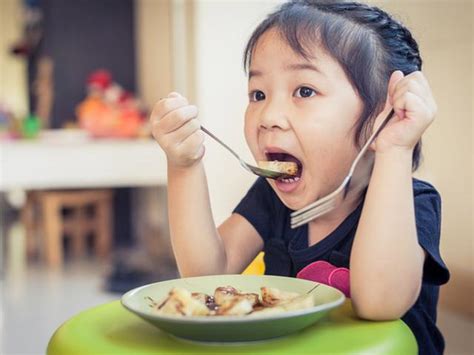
(326, 273)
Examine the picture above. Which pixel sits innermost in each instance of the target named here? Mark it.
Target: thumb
(392, 83)
(396, 76)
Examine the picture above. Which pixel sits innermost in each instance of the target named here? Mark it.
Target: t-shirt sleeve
(256, 207)
(428, 225)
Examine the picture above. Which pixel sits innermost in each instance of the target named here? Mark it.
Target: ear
(396, 76)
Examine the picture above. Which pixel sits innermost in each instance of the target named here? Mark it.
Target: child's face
(306, 109)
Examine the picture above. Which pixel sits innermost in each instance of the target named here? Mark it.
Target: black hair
(366, 41)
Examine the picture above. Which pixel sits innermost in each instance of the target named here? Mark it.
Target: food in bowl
(228, 301)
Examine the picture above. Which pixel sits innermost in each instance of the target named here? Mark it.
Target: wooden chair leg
(52, 231)
(78, 233)
(27, 217)
(103, 228)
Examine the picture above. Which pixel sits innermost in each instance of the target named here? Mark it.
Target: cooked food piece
(223, 295)
(228, 301)
(251, 297)
(286, 167)
(274, 296)
(300, 302)
(201, 297)
(293, 304)
(206, 299)
(235, 307)
(181, 302)
(267, 311)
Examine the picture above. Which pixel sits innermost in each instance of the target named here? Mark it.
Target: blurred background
(83, 187)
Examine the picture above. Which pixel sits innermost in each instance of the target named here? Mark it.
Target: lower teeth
(290, 180)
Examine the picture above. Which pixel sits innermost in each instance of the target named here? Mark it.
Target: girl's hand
(415, 109)
(175, 127)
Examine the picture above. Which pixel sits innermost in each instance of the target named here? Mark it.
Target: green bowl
(233, 328)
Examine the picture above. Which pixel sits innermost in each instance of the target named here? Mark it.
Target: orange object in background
(104, 120)
(108, 110)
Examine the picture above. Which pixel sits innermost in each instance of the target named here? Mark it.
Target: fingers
(171, 113)
(167, 105)
(414, 84)
(177, 130)
(177, 118)
(193, 145)
(408, 104)
(417, 84)
(180, 135)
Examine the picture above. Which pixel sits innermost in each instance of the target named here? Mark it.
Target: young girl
(321, 75)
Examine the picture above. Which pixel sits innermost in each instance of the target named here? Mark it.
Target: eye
(256, 95)
(304, 91)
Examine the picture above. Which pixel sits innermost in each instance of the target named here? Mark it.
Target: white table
(62, 163)
(47, 164)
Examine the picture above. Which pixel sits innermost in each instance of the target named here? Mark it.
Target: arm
(199, 248)
(196, 244)
(386, 260)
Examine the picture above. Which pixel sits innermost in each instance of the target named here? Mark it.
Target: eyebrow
(254, 73)
(290, 67)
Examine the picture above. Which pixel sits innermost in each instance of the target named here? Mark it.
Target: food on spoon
(285, 167)
(231, 302)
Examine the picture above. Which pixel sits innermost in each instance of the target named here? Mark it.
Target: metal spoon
(266, 173)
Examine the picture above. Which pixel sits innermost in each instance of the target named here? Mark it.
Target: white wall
(222, 29)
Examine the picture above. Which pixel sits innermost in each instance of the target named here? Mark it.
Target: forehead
(272, 45)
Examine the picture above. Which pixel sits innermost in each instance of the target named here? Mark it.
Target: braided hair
(366, 41)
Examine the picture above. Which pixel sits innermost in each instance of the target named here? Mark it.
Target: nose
(274, 116)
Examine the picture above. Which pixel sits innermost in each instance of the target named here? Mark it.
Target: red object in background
(100, 79)
(125, 96)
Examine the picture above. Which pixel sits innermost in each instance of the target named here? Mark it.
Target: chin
(294, 201)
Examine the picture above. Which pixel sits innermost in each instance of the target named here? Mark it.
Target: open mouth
(285, 157)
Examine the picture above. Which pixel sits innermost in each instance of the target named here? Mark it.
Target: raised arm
(386, 260)
(199, 248)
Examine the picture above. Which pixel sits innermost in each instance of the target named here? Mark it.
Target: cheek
(250, 132)
(330, 161)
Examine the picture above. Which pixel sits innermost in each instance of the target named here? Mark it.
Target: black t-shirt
(287, 252)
